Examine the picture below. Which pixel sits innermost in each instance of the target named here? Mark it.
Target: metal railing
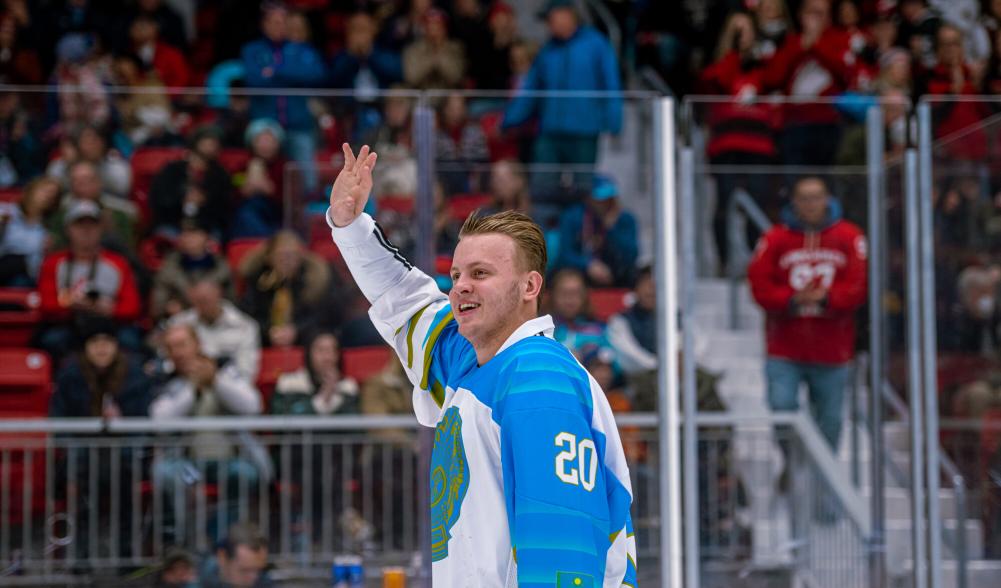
(949, 471)
(90, 496)
(741, 205)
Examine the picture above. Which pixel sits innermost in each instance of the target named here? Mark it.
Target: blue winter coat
(385, 66)
(585, 62)
(294, 65)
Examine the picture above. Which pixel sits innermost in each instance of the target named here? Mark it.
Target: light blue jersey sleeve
(562, 502)
(408, 310)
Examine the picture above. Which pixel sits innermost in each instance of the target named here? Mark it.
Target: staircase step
(898, 542)
(980, 573)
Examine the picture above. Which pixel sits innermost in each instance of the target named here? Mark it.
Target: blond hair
(528, 237)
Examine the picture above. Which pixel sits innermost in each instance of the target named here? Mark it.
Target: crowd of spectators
(171, 139)
(138, 202)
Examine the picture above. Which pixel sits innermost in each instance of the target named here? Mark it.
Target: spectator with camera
(86, 280)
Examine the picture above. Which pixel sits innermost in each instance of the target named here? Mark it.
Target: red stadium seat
(234, 160)
(361, 363)
(276, 361)
(147, 161)
(462, 205)
(235, 252)
(19, 316)
(443, 265)
(10, 195)
(25, 390)
(25, 382)
(608, 301)
(498, 144)
(153, 249)
(400, 203)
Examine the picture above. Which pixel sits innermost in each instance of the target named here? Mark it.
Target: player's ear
(533, 286)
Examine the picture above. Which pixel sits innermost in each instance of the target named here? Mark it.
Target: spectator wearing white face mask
(974, 315)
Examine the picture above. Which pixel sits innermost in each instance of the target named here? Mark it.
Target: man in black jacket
(195, 186)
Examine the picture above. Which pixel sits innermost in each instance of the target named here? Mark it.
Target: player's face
(486, 286)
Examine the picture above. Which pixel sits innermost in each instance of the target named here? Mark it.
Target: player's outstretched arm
(408, 309)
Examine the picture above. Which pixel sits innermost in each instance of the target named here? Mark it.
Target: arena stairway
(738, 356)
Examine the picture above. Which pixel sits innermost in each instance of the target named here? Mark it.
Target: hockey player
(529, 484)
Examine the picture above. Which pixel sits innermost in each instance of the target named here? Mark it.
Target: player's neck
(491, 344)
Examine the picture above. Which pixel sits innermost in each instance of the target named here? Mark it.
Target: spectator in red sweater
(813, 63)
(83, 281)
(809, 275)
(952, 76)
(742, 133)
(168, 61)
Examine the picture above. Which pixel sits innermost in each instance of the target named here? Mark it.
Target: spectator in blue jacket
(276, 62)
(367, 69)
(599, 238)
(576, 58)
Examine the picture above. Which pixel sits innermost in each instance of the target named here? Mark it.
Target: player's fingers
(370, 161)
(363, 154)
(349, 157)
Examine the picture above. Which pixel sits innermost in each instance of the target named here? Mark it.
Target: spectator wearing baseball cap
(83, 281)
(599, 238)
(118, 215)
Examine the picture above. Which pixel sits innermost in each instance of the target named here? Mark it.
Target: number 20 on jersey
(577, 463)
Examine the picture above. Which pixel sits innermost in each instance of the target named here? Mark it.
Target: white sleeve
(175, 400)
(248, 355)
(408, 309)
(236, 392)
(632, 356)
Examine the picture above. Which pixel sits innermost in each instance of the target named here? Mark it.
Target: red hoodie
(788, 259)
(823, 70)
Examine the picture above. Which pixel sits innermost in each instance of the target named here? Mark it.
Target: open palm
(352, 186)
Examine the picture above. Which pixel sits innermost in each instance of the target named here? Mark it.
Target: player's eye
(479, 273)
(455, 277)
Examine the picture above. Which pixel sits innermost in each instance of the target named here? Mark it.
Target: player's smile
(467, 308)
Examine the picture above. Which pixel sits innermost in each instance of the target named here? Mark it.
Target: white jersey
(529, 484)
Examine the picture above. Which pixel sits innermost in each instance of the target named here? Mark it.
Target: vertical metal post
(877, 254)
(424, 147)
(914, 373)
(688, 405)
(733, 272)
(928, 344)
(853, 417)
(667, 343)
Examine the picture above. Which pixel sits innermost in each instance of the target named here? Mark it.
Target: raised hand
(352, 186)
